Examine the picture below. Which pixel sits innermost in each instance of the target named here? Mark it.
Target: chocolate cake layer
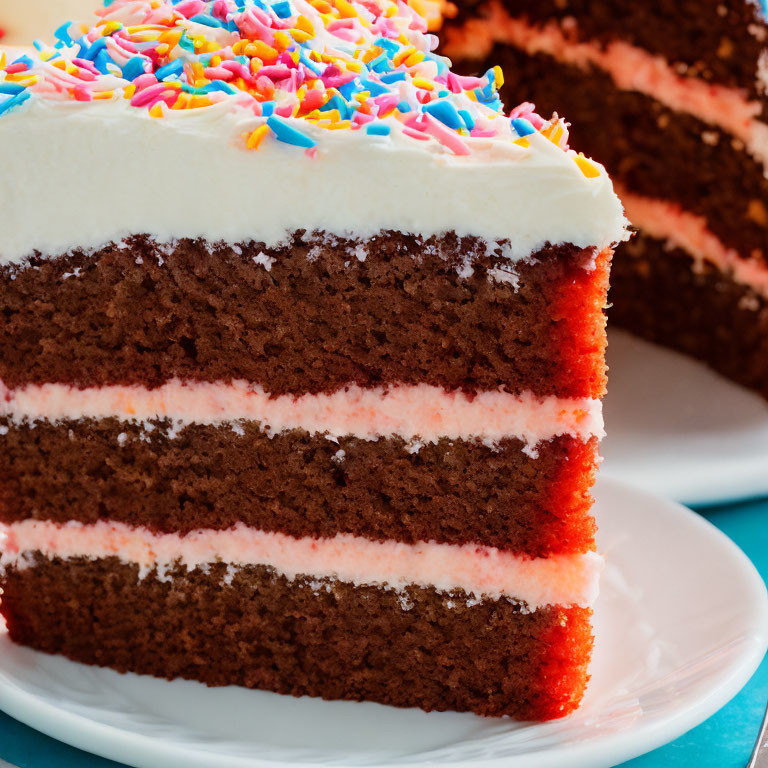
(661, 295)
(319, 638)
(453, 491)
(326, 313)
(652, 150)
(712, 40)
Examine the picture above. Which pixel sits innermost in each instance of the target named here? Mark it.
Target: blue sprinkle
(348, 89)
(392, 77)
(231, 26)
(390, 46)
(379, 64)
(267, 108)
(219, 85)
(11, 88)
(102, 60)
(288, 134)
(207, 19)
(523, 127)
(133, 68)
(404, 106)
(282, 9)
(466, 116)
(176, 67)
(377, 129)
(445, 112)
(93, 51)
(38, 44)
(375, 89)
(313, 66)
(186, 43)
(107, 3)
(62, 33)
(24, 60)
(337, 103)
(14, 101)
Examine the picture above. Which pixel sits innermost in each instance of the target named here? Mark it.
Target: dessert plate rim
(679, 429)
(99, 713)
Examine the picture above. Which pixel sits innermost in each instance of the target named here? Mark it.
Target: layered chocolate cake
(301, 359)
(672, 98)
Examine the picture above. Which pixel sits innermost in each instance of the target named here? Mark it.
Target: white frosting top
(83, 174)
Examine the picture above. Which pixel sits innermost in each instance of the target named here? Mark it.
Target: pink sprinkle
(220, 10)
(190, 8)
(415, 134)
(147, 95)
(14, 69)
(362, 119)
(276, 72)
(481, 133)
(81, 93)
(285, 111)
(311, 152)
(445, 136)
(341, 24)
(218, 73)
(144, 81)
(463, 83)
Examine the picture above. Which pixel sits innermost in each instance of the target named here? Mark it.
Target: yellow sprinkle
(346, 10)
(337, 126)
(363, 96)
(103, 94)
(300, 36)
(129, 91)
(402, 55)
(2, 59)
(156, 110)
(305, 25)
(257, 136)
(283, 40)
(163, 48)
(172, 36)
(523, 143)
(181, 102)
(215, 61)
(421, 82)
(588, 168)
(498, 76)
(321, 6)
(198, 100)
(111, 27)
(414, 59)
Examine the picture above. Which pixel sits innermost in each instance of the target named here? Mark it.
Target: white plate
(681, 625)
(678, 429)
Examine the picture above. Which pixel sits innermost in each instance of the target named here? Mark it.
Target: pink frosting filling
(631, 68)
(486, 571)
(410, 411)
(681, 229)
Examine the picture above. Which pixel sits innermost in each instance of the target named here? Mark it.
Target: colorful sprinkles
(331, 64)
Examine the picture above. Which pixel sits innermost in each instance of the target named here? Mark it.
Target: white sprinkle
(238, 430)
(122, 438)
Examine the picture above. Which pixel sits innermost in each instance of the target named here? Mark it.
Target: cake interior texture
(672, 99)
(310, 437)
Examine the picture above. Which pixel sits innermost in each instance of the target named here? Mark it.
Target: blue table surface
(723, 741)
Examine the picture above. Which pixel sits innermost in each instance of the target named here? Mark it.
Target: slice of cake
(301, 360)
(672, 98)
